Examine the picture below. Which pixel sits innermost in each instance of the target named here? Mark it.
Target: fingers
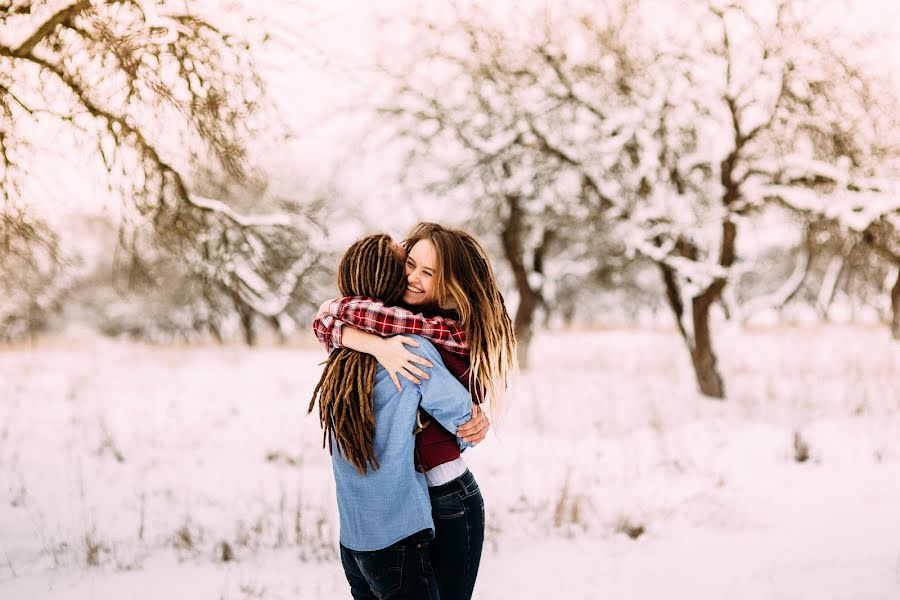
(419, 359)
(408, 341)
(396, 381)
(407, 375)
(479, 435)
(325, 308)
(475, 430)
(416, 371)
(475, 438)
(467, 428)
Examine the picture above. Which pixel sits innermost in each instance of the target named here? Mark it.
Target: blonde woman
(452, 299)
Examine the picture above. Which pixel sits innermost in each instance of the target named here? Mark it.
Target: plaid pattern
(368, 314)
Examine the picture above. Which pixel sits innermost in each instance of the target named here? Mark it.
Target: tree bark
(246, 315)
(279, 330)
(829, 286)
(895, 305)
(673, 295)
(699, 345)
(699, 338)
(529, 299)
(703, 356)
(215, 331)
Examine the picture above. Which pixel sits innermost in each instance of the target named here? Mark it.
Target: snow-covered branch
(216, 206)
(854, 209)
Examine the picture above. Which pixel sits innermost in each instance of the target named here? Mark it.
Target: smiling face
(421, 263)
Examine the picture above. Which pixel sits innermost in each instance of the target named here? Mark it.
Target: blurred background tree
(163, 99)
(582, 131)
(31, 285)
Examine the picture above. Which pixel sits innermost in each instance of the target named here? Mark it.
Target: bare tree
(763, 109)
(502, 124)
(147, 89)
(30, 284)
(663, 143)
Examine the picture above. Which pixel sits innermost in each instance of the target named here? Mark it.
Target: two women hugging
(427, 311)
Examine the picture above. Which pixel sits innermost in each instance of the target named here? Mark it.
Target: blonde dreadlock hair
(464, 282)
(370, 267)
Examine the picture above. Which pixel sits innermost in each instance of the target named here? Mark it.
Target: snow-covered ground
(126, 470)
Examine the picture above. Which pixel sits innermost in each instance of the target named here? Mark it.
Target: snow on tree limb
(855, 210)
(160, 93)
(271, 220)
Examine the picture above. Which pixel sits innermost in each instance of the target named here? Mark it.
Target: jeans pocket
(383, 570)
(471, 491)
(447, 507)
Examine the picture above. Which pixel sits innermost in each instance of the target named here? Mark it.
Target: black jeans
(458, 511)
(400, 572)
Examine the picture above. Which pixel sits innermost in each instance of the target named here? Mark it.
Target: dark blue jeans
(458, 511)
(400, 572)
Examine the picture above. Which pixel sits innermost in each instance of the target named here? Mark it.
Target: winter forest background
(693, 207)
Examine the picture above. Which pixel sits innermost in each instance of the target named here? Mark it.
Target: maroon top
(434, 444)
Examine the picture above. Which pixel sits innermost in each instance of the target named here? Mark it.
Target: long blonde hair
(464, 282)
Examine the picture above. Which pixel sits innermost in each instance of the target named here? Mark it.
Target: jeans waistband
(465, 483)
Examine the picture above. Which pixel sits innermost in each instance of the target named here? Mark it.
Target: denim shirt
(382, 507)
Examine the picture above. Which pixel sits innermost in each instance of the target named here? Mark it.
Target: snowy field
(159, 473)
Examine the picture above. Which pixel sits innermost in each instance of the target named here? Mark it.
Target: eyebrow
(409, 259)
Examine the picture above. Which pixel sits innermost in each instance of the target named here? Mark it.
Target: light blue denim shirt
(382, 507)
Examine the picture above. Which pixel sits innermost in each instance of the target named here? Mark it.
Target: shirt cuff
(337, 340)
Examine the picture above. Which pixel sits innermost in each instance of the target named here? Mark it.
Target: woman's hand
(397, 360)
(325, 308)
(476, 428)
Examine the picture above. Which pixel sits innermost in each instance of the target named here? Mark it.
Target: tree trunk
(699, 345)
(279, 330)
(829, 286)
(778, 299)
(524, 326)
(702, 354)
(529, 299)
(215, 331)
(246, 317)
(895, 305)
(673, 295)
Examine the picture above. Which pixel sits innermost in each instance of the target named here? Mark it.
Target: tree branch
(61, 16)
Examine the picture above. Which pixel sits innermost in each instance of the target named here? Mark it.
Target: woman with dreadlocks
(451, 298)
(386, 524)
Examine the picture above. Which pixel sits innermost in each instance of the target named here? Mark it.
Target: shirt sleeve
(328, 330)
(373, 316)
(443, 396)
